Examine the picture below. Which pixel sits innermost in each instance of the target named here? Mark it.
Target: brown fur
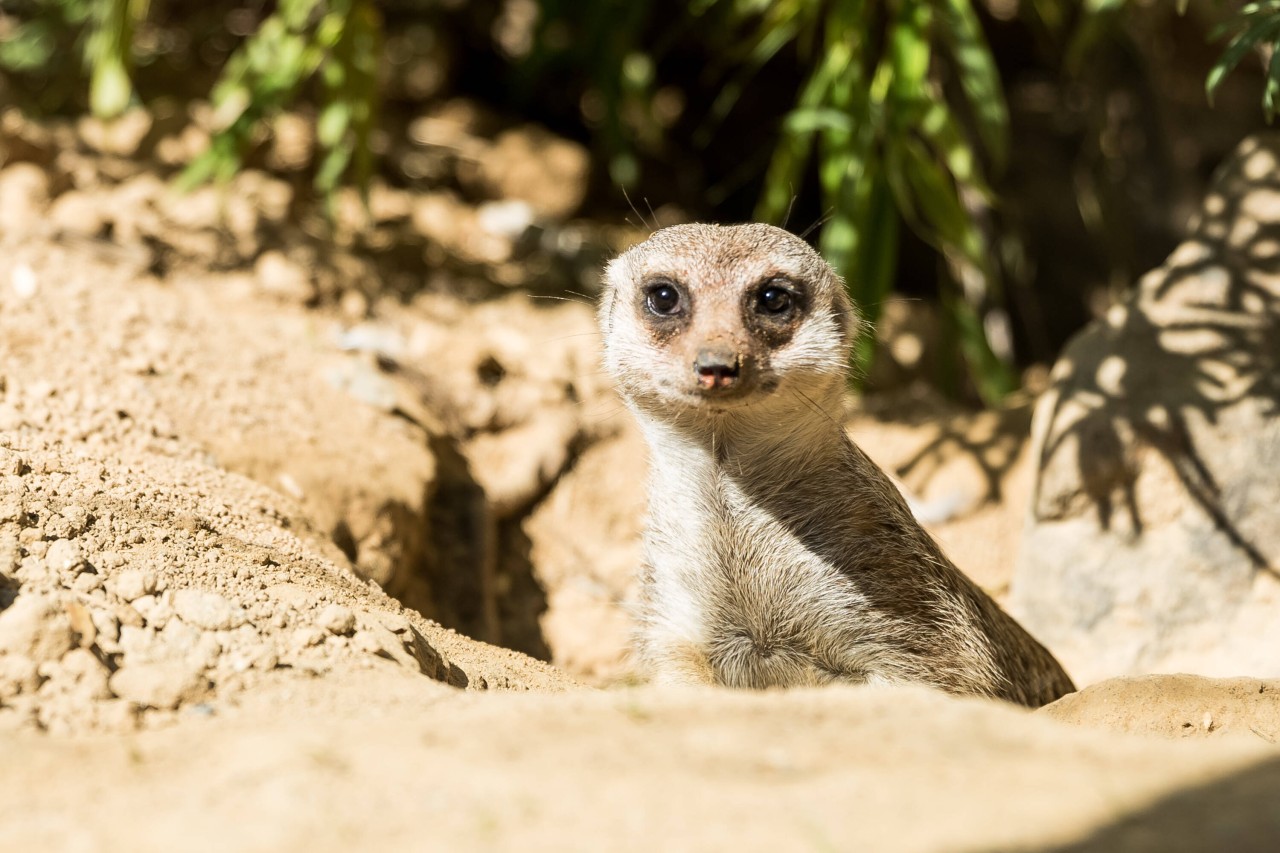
(777, 553)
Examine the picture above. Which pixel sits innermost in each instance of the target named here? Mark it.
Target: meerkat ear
(604, 311)
(847, 316)
(615, 272)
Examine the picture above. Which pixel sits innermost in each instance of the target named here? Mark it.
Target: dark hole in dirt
(491, 372)
(478, 569)
(344, 539)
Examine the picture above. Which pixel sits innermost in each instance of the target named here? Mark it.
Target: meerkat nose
(716, 367)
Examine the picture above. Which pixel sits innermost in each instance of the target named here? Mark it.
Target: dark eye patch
(665, 307)
(773, 309)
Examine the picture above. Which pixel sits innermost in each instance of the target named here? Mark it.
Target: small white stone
(24, 282)
(162, 685)
(337, 619)
(207, 610)
(132, 584)
(36, 627)
(306, 636)
(64, 555)
(155, 610)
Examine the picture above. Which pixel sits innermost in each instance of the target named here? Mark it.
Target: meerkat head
(716, 317)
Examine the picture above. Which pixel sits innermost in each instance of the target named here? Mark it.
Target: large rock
(1152, 543)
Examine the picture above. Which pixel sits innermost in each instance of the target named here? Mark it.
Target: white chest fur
(733, 594)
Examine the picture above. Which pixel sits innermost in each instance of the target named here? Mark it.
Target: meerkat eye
(662, 298)
(775, 299)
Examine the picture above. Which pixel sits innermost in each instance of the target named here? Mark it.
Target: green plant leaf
(333, 122)
(793, 150)
(110, 89)
(28, 47)
(1236, 50)
(909, 48)
(870, 277)
(992, 378)
(1271, 94)
(807, 121)
(978, 77)
(331, 168)
(943, 132)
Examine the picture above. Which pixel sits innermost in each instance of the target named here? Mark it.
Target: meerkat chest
(740, 584)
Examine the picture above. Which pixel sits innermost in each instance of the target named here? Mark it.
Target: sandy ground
(189, 659)
(383, 761)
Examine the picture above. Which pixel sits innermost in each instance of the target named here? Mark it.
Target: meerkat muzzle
(716, 368)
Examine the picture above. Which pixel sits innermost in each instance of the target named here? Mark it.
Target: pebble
(10, 508)
(132, 584)
(36, 627)
(308, 635)
(87, 582)
(157, 611)
(77, 516)
(84, 669)
(337, 619)
(18, 674)
(283, 278)
(128, 615)
(207, 610)
(64, 555)
(24, 282)
(106, 624)
(163, 685)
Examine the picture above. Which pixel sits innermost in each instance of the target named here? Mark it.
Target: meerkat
(777, 553)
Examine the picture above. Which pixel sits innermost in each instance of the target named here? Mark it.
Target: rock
(83, 674)
(79, 214)
(293, 142)
(535, 166)
(207, 610)
(408, 648)
(37, 627)
(163, 685)
(283, 278)
(23, 140)
(1152, 543)
(24, 194)
(64, 555)
(337, 619)
(105, 625)
(87, 582)
(23, 281)
(155, 610)
(120, 136)
(18, 674)
(307, 636)
(132, 584)
(516, 465)
(508, 219)
(128, 616)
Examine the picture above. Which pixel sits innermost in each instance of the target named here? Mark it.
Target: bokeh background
(1011, 166)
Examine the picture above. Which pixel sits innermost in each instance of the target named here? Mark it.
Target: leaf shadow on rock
(1200, 336)
(992, 447)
